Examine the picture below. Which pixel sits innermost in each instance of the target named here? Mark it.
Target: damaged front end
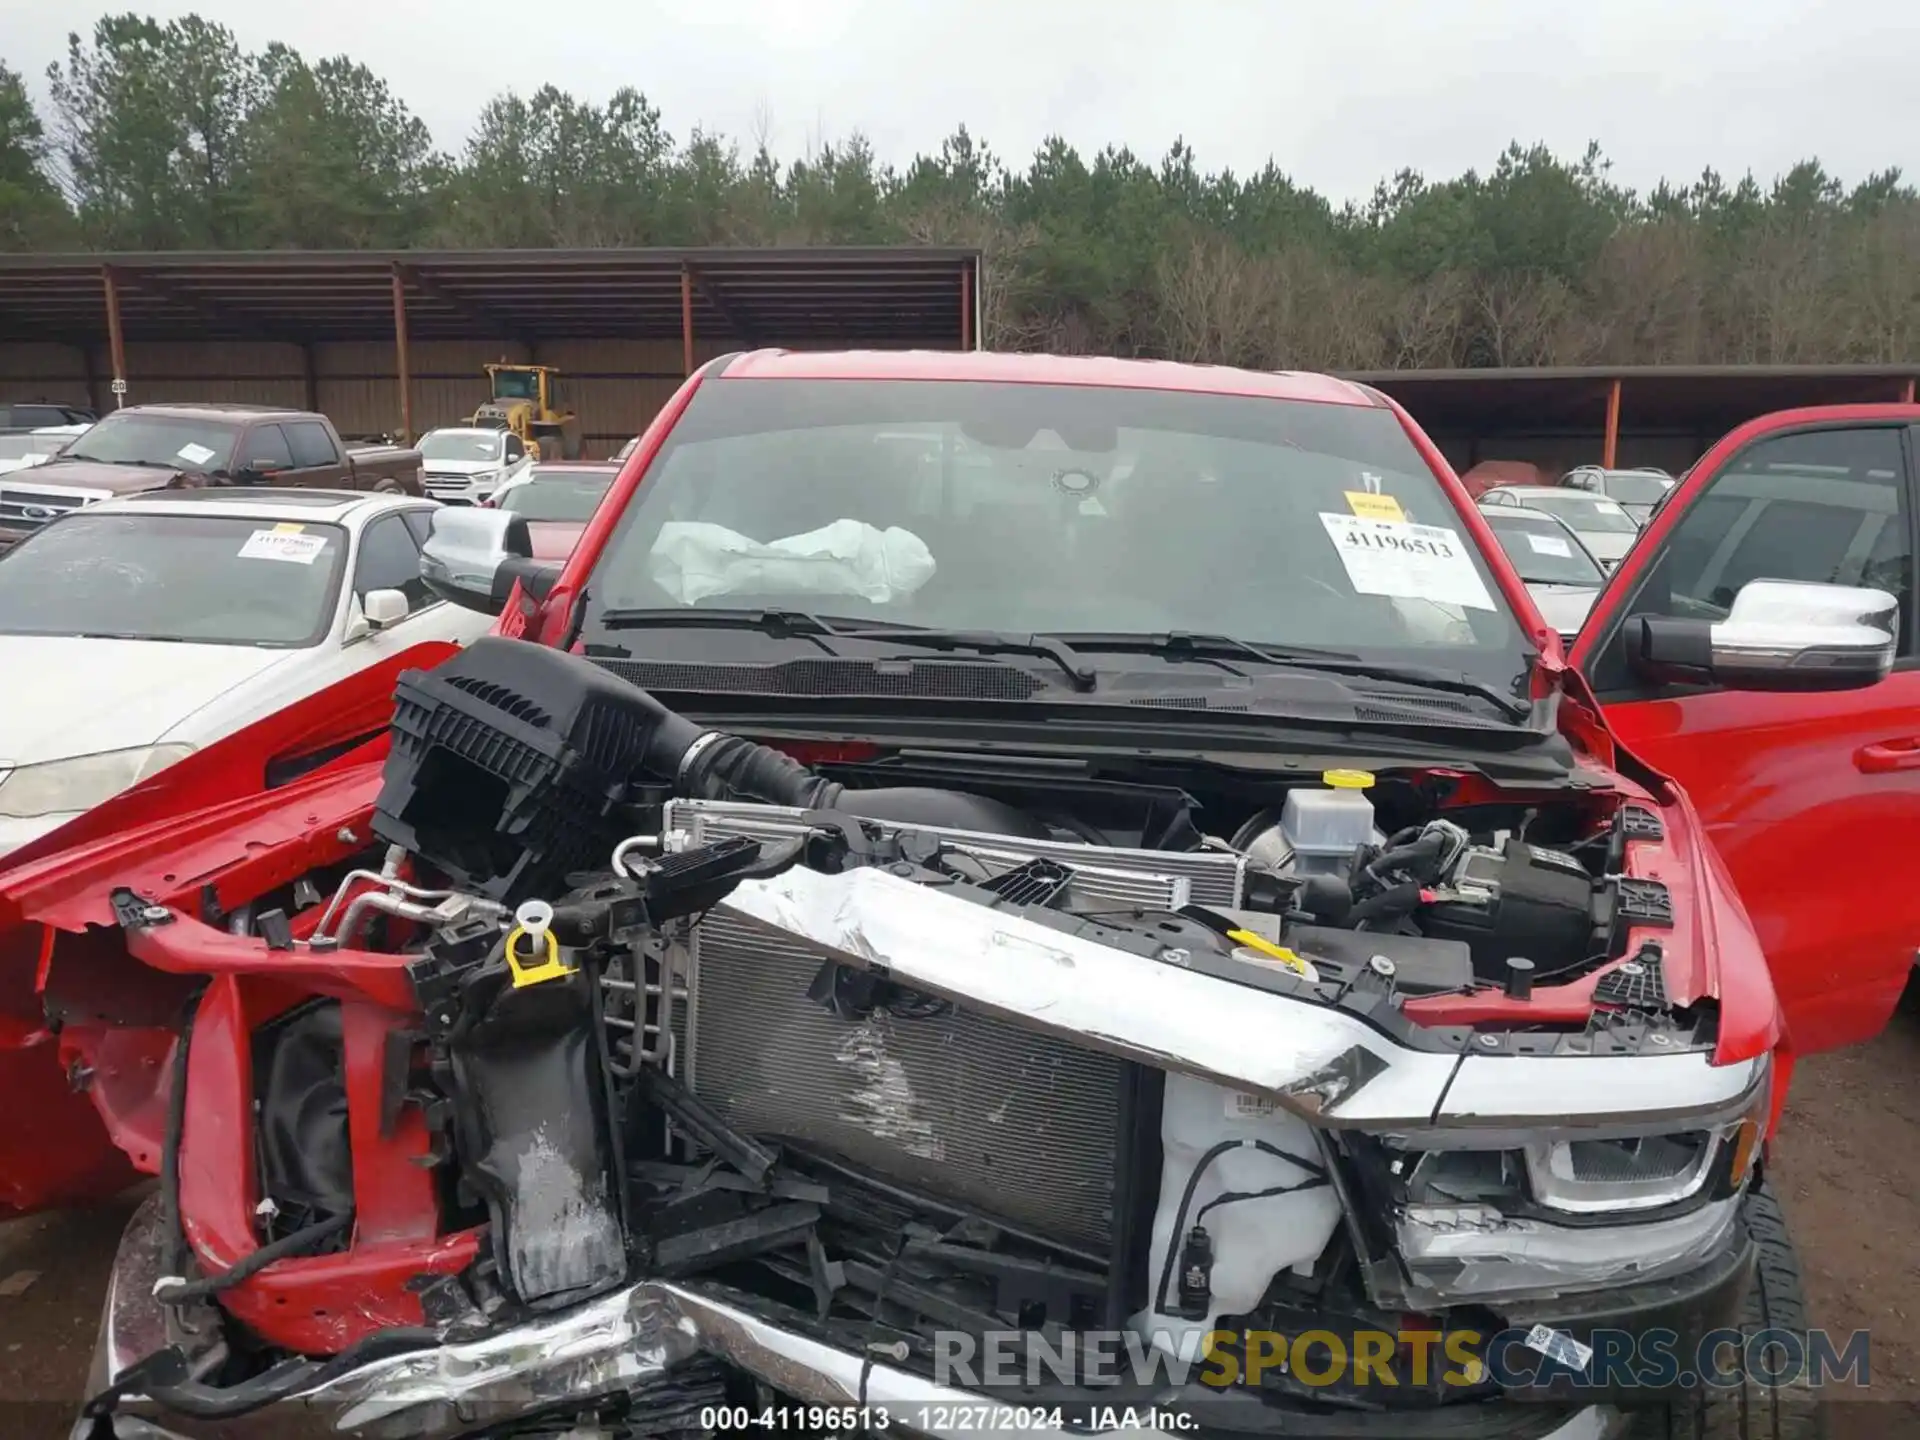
(592, 1073)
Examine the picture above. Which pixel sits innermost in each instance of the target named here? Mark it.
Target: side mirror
(1779, 635)
(474, 557)
(384, 608)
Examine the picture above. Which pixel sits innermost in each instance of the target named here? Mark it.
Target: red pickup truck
(1133, 860)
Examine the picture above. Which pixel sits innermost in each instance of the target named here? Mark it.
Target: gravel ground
(1847, 1167)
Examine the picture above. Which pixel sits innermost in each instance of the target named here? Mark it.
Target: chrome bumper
(619, 1342)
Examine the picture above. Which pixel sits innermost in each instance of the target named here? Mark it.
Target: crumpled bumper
(630, 1341)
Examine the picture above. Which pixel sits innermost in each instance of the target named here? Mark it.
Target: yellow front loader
(524, 400)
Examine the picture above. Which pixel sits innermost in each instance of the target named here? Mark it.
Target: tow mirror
(474, 557)
(1778, 635)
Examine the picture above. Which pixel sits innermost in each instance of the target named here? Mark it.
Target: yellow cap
(1348, 779)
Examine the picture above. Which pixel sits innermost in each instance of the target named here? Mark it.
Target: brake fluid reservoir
(1324, 827)
(1207, 1136)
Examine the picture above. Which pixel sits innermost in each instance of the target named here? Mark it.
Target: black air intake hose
(717, 766)
(512, 765)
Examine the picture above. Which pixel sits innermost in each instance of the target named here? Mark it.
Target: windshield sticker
(276, 544)
(287, 527)
(1550, 545)
(1408, 562)
(1607, 507)
(194, 454)
(1370, 506)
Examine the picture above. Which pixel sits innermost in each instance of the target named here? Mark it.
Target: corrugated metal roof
(848, 295)
(1692, 397)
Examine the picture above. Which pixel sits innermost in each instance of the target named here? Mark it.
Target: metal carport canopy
(866, 295)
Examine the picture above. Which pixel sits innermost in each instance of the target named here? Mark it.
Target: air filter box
(1519, 900)
(510, 766)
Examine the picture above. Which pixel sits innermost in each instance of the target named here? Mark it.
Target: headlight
(1475, 1252)
(484, 479)
(82, 782)
(1566, 1212)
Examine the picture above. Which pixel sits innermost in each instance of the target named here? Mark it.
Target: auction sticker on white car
(291, 546)
(1407, 562)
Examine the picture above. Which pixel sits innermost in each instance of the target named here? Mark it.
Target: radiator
(958, 1105)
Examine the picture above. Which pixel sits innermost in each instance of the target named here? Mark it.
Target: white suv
(463, 466)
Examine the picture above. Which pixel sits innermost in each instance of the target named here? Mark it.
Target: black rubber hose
(1388, 904)
(300, 1242)
(290, 1377)
(178, 1251)
(727, 767)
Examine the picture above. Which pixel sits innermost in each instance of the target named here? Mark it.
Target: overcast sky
(1338, 92)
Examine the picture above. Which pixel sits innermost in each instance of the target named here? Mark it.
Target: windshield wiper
(778, 623)
(1178, 644)
(988, 642)
(800, 624)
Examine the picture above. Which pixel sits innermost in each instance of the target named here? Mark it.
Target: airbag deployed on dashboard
(695, 560)
(300, 1139)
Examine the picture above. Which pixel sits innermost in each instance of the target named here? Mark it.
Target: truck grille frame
(966, 1107)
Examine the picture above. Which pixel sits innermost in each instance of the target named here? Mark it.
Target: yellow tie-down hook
(533, 923)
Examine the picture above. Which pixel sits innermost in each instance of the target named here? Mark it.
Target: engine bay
(849, 1038)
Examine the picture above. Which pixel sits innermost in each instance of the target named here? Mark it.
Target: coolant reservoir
(1324, 827)
(1247, 1241)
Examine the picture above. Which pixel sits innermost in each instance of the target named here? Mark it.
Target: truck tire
(1752, 1411)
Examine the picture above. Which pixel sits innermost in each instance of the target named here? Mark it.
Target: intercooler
(959, 1105)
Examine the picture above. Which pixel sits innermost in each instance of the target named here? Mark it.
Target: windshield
(1060, 510)
(557, 495)
(177, 442)
(212, 580)
(515, 385)
(1542, 550)
(1586, 512)
(1634, 489)
(463, 445)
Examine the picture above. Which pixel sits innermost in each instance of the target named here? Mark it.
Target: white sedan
(139, 630)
